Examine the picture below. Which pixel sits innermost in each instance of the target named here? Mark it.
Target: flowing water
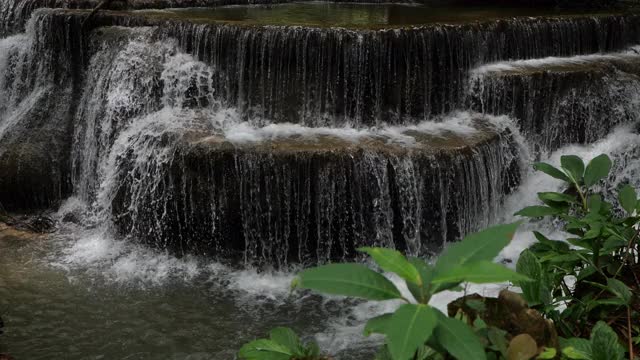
(193, 168)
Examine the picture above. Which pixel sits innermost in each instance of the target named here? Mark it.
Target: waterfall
(279, 145)
(560, 101)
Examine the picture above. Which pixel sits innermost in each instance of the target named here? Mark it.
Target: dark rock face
(35, 135)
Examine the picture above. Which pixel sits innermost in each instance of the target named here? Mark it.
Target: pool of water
(89, 297)
(352, 15)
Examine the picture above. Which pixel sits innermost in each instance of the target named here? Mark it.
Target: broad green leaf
(481, 246)
(619, 289)
(393, 261)
(498, 338)
(613, 244)
(628, 198)
(537, 211)
(547, 353)
(574, 166)
(557, 197)
(349, 280)
(458, 339)
(604, 343)
(575, 354)
(480, 272)
(595, 203)
(421, 293)
(409, 328)
(377, 325)
(556, 245)
(287, 338)
(537, 291)
(551, 171)
(264, 349)
(575, 348)
(597, 169)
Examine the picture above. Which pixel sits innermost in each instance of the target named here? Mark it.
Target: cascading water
(279, 146)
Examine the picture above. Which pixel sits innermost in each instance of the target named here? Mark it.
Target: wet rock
(510, 312)
(11, 233)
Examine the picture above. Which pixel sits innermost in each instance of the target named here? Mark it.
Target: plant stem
(628, 252)
(631, 355)
(584, 199)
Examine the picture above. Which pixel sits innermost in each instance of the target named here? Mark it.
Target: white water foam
(632, 53)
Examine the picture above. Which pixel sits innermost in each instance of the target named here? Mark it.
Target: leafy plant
(590, 273)
(603, 345)
(417, 330)
(283, 344)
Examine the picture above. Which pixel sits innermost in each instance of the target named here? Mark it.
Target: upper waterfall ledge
(355, 15)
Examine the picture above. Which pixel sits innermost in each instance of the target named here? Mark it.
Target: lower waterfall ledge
(313, 198)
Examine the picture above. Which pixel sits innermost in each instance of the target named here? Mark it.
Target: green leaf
(575, 348)
(458, 339)
(547, 353)
(619, 289)
(537, 211)
(287, 338)
(264, 349)
(628, 198)
(604, 343)
(481, 246)
(574, 166)
(551, 171)
(597, 169)
(409, 328)
(377, 325)
(421, 292)
(349, 280)
(480, 272)
(393, 261)
(537, 291)
(575, 354)
(595, 203)
(557, 197)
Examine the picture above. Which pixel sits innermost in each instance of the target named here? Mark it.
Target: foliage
(603, 345)
(417, 330)
(283, 344)
(591, 273)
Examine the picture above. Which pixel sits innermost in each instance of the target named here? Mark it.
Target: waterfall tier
(292, 194)
(559, 101)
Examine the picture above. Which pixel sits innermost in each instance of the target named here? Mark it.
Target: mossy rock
(509, 312)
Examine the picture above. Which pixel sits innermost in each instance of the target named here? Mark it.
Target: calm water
(324, 14)
(94, 298)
